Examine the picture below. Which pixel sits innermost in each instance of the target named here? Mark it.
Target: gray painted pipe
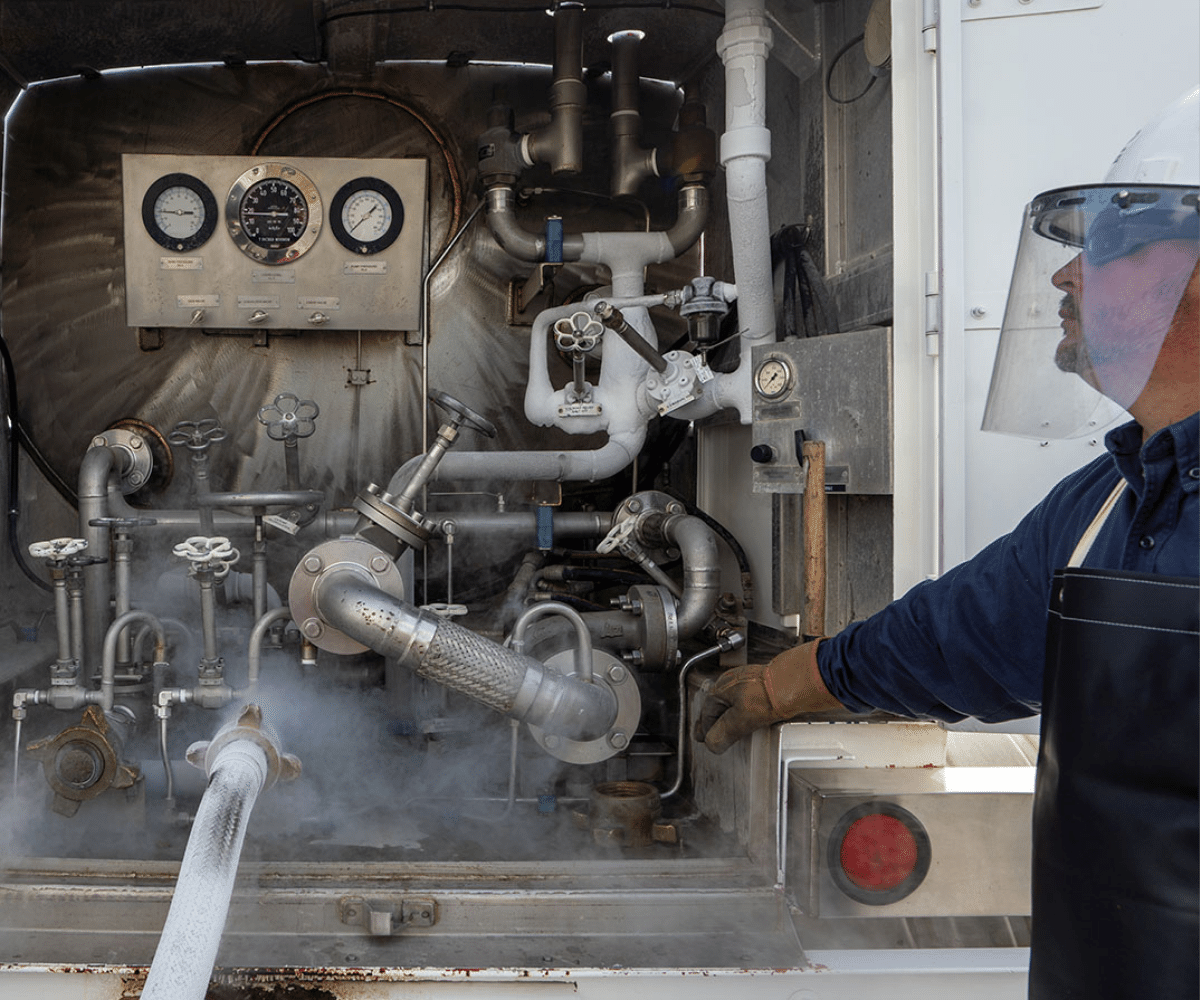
(701, 570)
(99, 463)
(508, 682)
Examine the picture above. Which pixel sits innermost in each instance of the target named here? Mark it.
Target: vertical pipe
(745, 150)
(62, 617)
(99, 463)
(260, 568)
(121, 581)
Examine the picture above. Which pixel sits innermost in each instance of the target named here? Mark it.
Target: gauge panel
(179, 212)
(274, 213)
(366, 215)
(295, 243)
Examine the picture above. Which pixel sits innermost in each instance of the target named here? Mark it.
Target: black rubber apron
(1116, 830)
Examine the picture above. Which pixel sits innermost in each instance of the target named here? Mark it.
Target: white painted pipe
(745, 150)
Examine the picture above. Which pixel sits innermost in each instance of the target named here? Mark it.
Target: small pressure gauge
(366, 215)
(773, 378)
(274, 213)
(179, 212)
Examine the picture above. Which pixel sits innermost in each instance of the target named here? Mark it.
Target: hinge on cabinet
(933, 329)
(929, 24)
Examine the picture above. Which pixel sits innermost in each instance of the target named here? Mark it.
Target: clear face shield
(1099, 274)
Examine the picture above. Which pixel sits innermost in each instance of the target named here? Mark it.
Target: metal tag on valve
(282, 523)
(580, 410)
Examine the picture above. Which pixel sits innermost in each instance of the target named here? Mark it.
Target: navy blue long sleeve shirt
(972, 642)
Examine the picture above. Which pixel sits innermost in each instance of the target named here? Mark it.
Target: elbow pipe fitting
(701, 570)
(508, 682)
(513, 238)
(691, 218)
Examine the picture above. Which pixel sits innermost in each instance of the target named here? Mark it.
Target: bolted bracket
(382, 920)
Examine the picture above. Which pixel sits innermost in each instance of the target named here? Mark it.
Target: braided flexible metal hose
(508, 682)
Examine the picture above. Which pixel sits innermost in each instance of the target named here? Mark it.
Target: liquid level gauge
(274, 213)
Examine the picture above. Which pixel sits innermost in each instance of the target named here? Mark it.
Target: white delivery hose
(187, 950)
(240, 761)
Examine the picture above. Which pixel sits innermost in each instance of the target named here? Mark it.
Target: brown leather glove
(747, 698)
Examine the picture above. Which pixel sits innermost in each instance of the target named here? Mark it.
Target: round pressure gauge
(773, 378)
(366, 215)
(274, 213)
(179, 212)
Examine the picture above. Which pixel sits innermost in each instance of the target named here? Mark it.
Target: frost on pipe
(240, 761)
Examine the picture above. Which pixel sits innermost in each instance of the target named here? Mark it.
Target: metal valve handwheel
(57, 548)
(466, 416)
(216, 553)
(197, 434)
(578, 332)
(289, 417)
(122, 523)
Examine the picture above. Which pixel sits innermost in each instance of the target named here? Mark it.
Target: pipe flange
(83, 761)
(648, 510)
(660, 618)
(618, 678)
(365, 560)
(377, 507)
(249, 726)
(139, 460)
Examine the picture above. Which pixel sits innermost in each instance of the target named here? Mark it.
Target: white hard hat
(1166, 149)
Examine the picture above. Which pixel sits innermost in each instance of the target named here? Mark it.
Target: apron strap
(1093, 529)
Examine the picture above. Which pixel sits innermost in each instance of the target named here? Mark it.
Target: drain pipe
(508, 682)
(241, 761)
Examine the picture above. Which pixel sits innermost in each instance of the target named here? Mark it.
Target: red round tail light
(878, 853)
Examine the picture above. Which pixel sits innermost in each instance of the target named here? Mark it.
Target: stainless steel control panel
(291, 243)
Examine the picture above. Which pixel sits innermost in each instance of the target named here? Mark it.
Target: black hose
(14, 457)
(833, 65)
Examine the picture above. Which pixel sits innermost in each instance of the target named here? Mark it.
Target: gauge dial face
(366, 215)
(274, 213)
(773, 378)
(179, 212)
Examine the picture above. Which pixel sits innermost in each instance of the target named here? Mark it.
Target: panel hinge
(933, 328)
(929, 24)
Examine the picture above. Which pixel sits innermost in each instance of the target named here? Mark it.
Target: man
(1089, 610)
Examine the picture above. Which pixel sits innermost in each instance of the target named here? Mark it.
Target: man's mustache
(1068, 308)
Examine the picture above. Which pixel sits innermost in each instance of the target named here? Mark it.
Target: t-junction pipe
(240, 762)
(508, 682)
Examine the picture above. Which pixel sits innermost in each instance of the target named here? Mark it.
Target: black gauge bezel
(345, 192)
(158, 234)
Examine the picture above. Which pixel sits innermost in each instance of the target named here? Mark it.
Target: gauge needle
(180, 211)
(364, 218)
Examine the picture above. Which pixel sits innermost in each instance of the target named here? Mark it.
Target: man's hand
(747, 698)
